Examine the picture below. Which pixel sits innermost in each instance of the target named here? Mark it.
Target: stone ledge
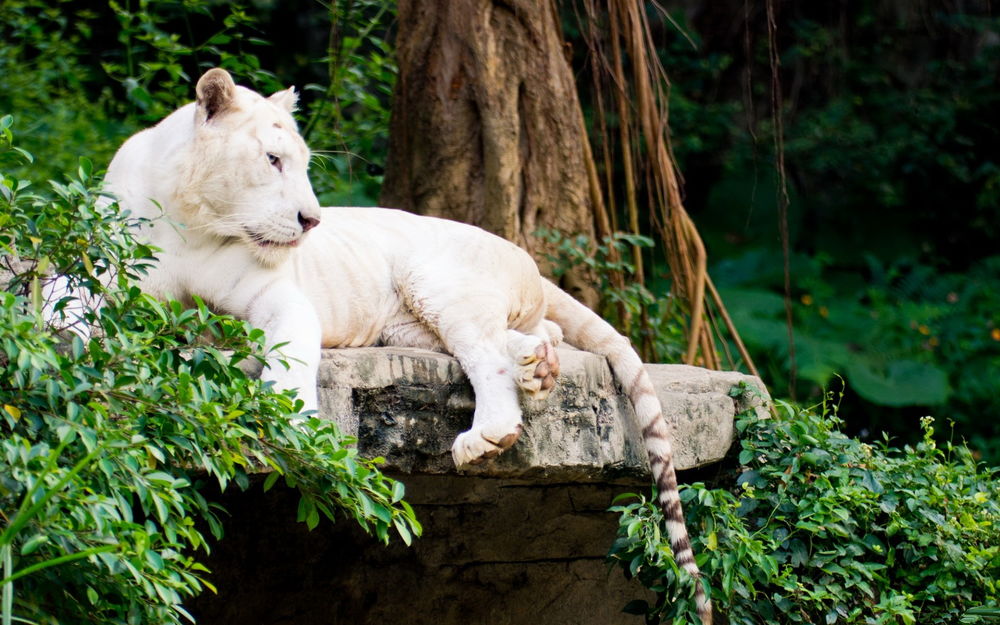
(407, 405)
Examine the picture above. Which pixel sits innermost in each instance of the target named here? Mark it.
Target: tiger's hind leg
(496, 422)
(534, 354)
(473, 328)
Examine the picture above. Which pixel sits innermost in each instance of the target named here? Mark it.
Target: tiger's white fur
(229, 173)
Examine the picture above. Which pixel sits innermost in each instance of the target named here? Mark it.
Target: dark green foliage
(108, 443)
(890, 114)
(910, 336)
(891, 126)
(891, 133)
(47, 79)
(823, 528)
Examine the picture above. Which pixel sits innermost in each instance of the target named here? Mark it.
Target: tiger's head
(244, 175)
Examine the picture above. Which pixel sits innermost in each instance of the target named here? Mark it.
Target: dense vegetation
(891, 119)
(823, 528)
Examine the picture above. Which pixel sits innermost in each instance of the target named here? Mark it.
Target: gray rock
(407, 405)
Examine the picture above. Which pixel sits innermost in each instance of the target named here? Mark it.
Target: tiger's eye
(275, 160)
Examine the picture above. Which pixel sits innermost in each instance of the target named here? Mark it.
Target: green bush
(823, 528)
(108, 443)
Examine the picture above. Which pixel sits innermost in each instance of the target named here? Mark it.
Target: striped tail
(584, 329)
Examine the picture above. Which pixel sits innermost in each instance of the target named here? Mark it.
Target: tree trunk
(486, 126)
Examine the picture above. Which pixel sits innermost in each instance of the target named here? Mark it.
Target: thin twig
(783, 201)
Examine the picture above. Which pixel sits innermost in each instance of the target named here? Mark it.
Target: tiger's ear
(286, 99)
(216, 91)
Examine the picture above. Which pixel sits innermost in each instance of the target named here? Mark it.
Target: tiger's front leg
(289, 321)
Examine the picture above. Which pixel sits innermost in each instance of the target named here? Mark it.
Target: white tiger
(244, 232)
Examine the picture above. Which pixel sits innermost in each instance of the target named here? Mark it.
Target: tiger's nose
(308, 222)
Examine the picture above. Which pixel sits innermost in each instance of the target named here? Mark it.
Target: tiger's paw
(475, 447)
(537, 365)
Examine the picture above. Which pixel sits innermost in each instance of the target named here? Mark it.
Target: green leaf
(382, 513)
(306, 506)
(161, 478)
(86, 168)
(624, 496)
(270, 480)
(398, 491)
(403, 531)
(312, 518)
(633, 527)
(634, 565)
(367, 509)
(33, 543)
(24, 154)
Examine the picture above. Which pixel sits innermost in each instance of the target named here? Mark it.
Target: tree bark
(486, 125)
